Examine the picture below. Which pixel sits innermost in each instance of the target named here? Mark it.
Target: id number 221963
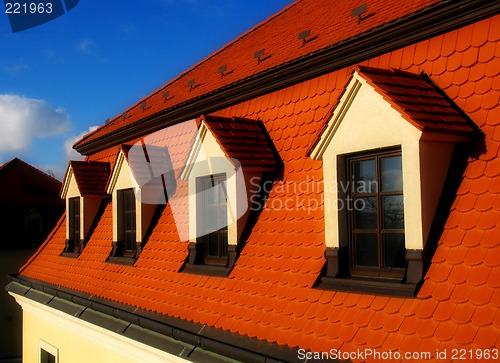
(31, 8)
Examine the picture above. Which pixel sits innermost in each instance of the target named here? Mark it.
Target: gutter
(424, 24)
(188, 340)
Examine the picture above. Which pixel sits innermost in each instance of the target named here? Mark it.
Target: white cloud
(72, 154)
(24, 119)
(85, 45)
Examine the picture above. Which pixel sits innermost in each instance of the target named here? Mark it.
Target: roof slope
(330, 23)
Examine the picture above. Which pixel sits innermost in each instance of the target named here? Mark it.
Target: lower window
(48, 353)
(376, 215)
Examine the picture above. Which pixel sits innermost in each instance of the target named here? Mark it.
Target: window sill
(70, 254)
(402, 284)
(368, 286)
(122, 260)
(207, 270)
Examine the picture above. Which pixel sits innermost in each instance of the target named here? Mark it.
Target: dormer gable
(84, 188)
(227, 157)
(132, 215)
(385, 121)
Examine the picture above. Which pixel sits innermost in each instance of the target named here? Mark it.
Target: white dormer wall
(364, 121)
(89, 205)
(207, 158)
(123, 178)
(71, 190)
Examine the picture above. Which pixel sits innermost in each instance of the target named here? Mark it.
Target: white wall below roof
(78, 341)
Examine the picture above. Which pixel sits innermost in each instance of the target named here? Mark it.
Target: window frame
(125, 215)
(75, 215)
(378, 194)
(49, 350)
(222, 233)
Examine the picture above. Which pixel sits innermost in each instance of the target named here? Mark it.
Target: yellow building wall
(78, 341)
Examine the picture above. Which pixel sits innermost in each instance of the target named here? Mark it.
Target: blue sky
(61, 78)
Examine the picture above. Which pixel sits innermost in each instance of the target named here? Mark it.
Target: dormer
(386, 151)
(228, 157)
(84, 188)
(131, 187)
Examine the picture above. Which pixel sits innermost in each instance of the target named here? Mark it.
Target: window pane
(213, 213)
(213, 244)
(364, 180)
(223, 237)
(366, 250)
(393, 212)
(46, 357)
(394, 250)
(74, 219)
(391, 173)
(365, 213)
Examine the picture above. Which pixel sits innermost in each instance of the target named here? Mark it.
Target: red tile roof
(329, 23)
(415, 97)
(91, 176)
(269, 293)
(243, 140)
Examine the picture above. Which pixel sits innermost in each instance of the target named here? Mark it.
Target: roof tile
(461, 293)
(483, 315)
(486, 337)
(445, 330)
(481, 295)
(410, 324)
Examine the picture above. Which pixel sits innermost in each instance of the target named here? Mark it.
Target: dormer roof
(91, 177)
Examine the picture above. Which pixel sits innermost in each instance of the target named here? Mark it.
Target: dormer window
(84, 189)
(376, 214)
(212, 216)
(74, 223)
(136, 200)
(127, 221)
(386, 151)
(218, 170)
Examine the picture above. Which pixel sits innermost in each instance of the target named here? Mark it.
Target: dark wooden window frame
(380, 231)
(206, 210)
(339, 274)
(127, 228)
(74, 243)
(126, 249)
(199, 261)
